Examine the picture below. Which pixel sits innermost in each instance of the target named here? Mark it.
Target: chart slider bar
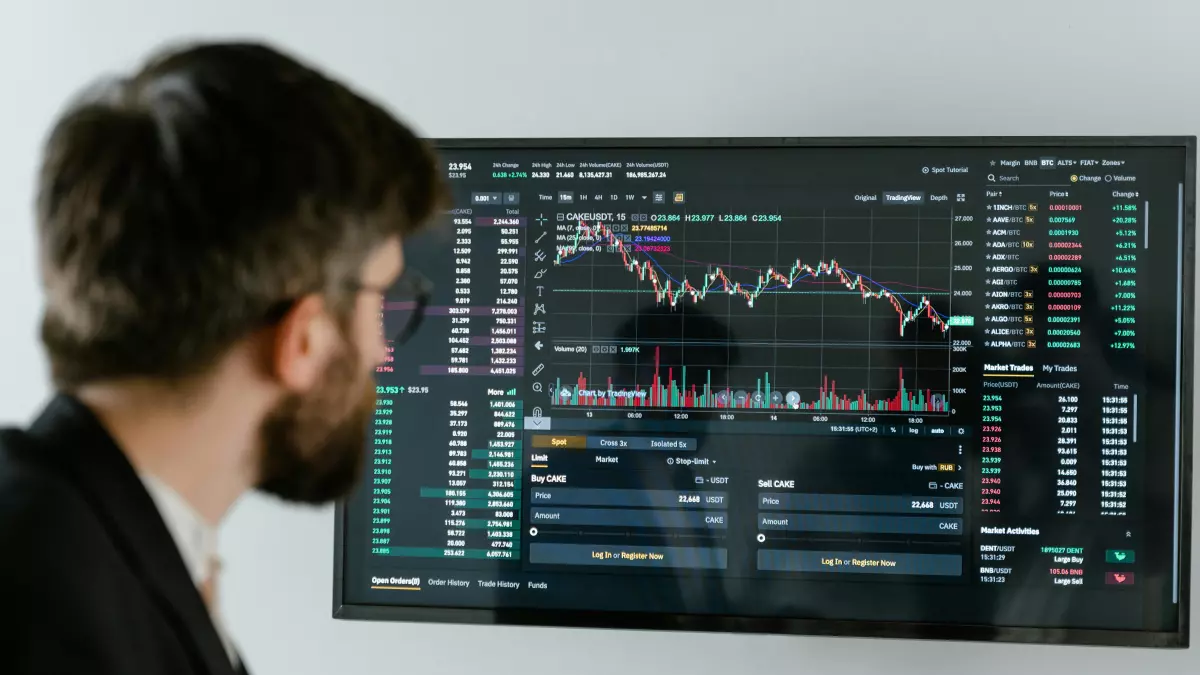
(847, 427)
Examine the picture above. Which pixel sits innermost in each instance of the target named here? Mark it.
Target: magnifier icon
(537, 386)
(991, 178)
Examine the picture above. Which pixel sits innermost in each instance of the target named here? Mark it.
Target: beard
(314, 444)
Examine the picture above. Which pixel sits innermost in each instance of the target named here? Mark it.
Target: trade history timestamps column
(445, 471)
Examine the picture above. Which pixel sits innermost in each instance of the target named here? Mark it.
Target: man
(216, 234)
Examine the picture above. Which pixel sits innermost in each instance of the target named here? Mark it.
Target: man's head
(227, 204)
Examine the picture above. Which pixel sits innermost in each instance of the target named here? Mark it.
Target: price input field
(860, 562)
(784, 501)
(654, 518)
(634, 498)
(616, 555)
(812, 522)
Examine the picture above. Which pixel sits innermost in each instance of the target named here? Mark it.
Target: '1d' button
(1118, 556)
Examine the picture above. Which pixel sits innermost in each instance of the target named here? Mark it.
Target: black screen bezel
(814, 627)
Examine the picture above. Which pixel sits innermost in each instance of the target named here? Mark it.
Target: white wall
(647, 68)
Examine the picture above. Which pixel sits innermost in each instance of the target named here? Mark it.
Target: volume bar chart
(671, 393)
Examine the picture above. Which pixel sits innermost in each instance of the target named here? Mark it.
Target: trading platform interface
(877, 384)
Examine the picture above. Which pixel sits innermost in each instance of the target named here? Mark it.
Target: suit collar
(85, 451)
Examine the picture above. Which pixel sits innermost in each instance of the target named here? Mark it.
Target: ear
(302, 343)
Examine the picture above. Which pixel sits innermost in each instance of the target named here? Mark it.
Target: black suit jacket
(90, 578)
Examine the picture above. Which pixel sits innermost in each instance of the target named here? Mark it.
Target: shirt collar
(194, 537)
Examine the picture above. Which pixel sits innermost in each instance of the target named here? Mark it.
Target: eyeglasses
(403, 304)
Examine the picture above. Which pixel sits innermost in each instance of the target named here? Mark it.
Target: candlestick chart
(852, 316)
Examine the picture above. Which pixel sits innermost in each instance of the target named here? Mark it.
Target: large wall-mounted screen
(909, 387)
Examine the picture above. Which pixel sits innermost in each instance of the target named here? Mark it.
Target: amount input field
(656, 518)
(786, 501)
(819, 522)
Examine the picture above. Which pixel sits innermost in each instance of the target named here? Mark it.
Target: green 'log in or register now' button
(1118, 556)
